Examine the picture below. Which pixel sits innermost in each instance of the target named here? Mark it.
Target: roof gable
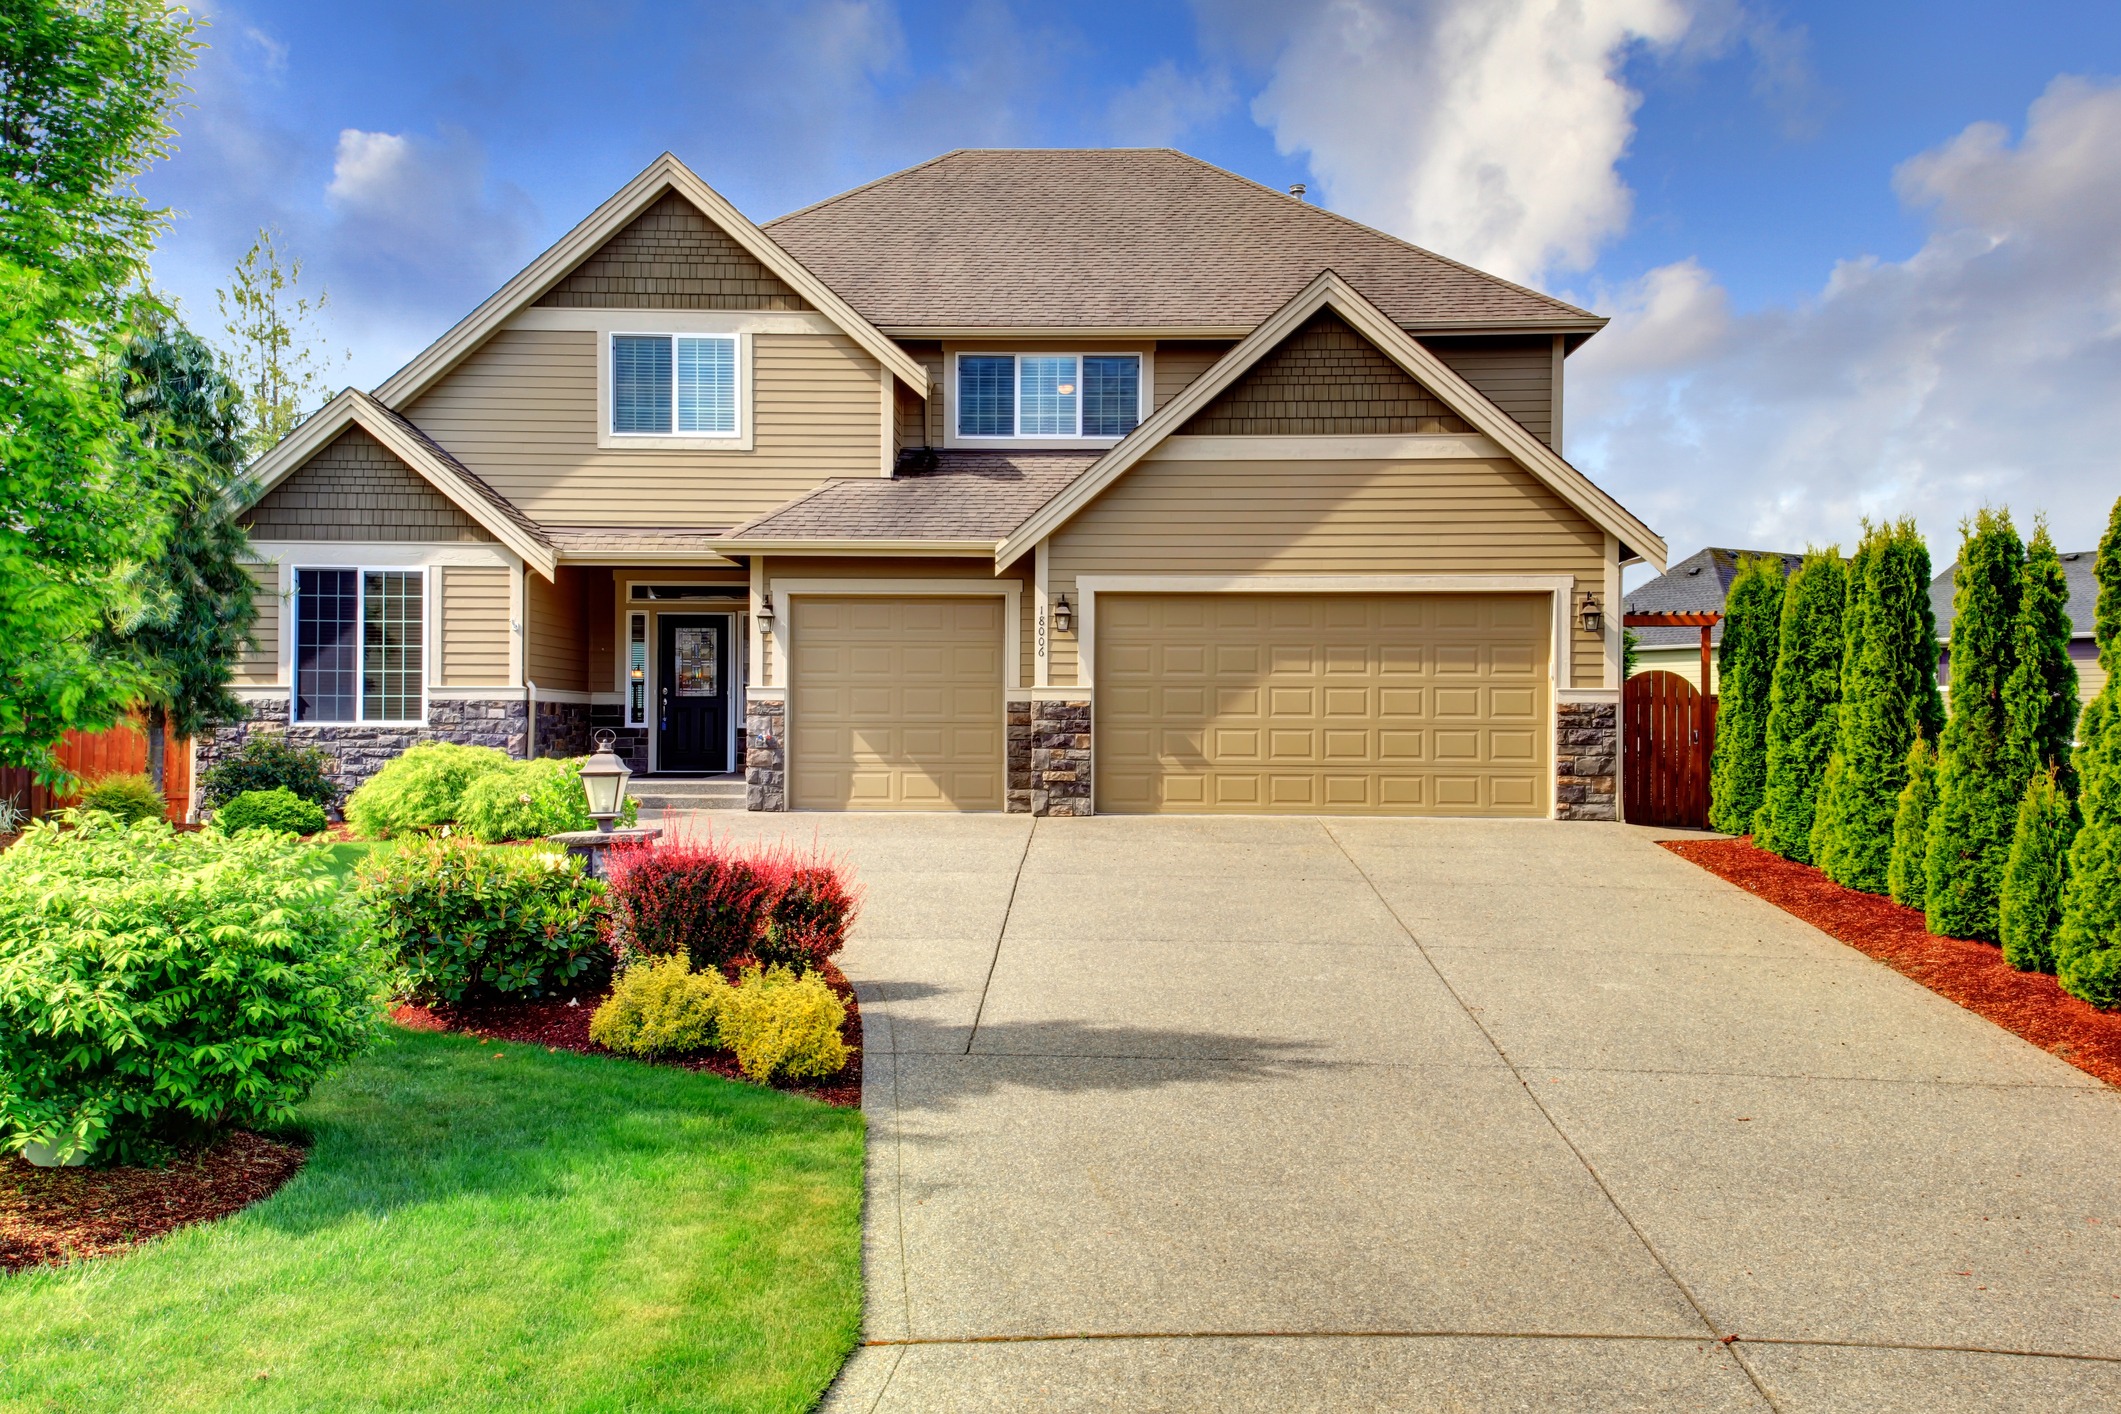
(1323, 380)
(356, 488)
(671, 257)
(666, 175)
(1330, 291)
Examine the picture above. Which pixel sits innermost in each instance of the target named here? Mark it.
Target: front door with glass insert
(692, 692)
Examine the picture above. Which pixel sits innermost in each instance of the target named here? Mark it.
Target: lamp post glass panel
(604, 778)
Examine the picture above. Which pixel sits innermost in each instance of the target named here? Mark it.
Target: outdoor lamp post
(604, 778)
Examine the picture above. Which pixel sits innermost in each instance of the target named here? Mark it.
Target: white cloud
(1166, 103)
(1979, 370)
(414, 213)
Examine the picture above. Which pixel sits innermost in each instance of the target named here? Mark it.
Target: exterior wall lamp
(1064, 615)
(1589, 616)
(765, 613)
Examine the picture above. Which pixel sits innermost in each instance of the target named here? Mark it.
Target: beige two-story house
(1049, 481)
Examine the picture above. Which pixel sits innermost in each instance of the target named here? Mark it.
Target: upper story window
(666, 385)
(1048, 395)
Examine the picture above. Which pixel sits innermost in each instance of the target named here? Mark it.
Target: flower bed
(2030, 1005)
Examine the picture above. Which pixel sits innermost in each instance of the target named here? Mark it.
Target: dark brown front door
(692, 692)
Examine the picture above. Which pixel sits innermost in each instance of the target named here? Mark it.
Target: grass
(345, 855)
(485, 1227)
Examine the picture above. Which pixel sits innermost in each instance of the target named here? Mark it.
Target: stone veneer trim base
(1048, 757)
(358, 751)
(1586, 760)
(765, 754)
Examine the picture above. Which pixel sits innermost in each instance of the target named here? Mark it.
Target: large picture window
(1048, 395)
(360, 645)
(674, 385)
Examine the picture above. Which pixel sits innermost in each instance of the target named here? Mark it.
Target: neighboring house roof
(2078, 568)
(1329, 290)
(458, 483)
(665, 174)
(1141, 238)
(1698, 584)
(972, 499)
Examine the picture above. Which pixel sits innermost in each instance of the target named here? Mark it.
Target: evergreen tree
(2088, 949)
(2040, 696)
(1801, 717)
(2031, 910)
(1855, 607)
(1979, 782)
(277, 349)
(1907, 874)
(1745, 672)
(1889, 671)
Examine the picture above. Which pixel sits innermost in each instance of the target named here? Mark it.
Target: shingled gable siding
(357, 489)
(672, 257)
(1515, 374)
(1324, 380)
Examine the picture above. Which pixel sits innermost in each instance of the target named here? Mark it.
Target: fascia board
(854, 547)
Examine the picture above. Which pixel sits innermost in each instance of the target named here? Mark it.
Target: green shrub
(422, 789)
(1907, 873)
(154, 984)
(463, 920)
(278, 809)
(129, 797)
(782, 1025)
(1745, 674)
(2031, 910)
(2040, 695)
(1980, 778)
(268, 761)
(660, 1007)
(1802, 721)
(2088, 949)
(528, 800)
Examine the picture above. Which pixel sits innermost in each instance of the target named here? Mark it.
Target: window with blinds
(1048, 395)
(674, 384)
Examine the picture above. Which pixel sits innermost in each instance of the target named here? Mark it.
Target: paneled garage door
(895, 704)
(1386, 704)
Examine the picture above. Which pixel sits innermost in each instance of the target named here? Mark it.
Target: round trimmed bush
(279, 810)
(528, 800)
(157, 985)
(660, 1007)
(422, 789)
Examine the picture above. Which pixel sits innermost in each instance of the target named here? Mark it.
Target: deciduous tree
(275, 345)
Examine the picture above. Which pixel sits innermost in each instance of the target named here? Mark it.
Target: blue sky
(1856, 254)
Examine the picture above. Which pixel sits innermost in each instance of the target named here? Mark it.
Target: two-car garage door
(1382, 704)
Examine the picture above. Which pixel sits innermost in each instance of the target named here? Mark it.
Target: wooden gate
(1668, 731)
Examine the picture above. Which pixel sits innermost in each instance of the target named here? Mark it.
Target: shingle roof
(2077, 568)
(969, 496)
(499, 503)
(1112, 238)
(632, 539)
(1698, 584)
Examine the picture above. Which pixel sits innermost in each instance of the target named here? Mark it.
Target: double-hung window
(1048, 395)
(674, 385)
(360, 645)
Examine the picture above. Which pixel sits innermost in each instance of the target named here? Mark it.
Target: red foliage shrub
(729, 907)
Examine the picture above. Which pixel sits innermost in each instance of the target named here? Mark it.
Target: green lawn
(346, 854)
(479, 1231)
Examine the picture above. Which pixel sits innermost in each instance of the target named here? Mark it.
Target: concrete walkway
(1300, 1114)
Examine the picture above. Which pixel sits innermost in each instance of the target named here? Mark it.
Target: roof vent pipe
(1297, 190)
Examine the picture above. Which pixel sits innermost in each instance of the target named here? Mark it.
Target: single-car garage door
(895, 704)
(1357, 704)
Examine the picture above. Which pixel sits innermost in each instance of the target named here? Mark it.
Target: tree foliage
(2031, 910)
(1801, 717)
(2040, 695)
(1888, 673)
(1745, 672)
(85, 91)
(1979, 780)
(1907, 872)
(276, 347)
(2088, 948)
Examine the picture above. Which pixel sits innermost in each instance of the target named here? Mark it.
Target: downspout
(530, 720)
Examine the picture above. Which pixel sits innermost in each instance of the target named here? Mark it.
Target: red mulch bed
(2027, 1004)
(563, 1025)
(59, 1215)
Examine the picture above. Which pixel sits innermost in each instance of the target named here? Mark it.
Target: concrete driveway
(1301, 1114)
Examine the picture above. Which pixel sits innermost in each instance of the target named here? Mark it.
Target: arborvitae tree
(1745, 671)
(2040, 696)
(2031, 911)
(1979, 784)
(1890, 671)
(1854, 638)
(2088, 949)
(1907, 875)
(1801, 718)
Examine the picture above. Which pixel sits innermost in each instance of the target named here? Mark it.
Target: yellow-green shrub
(782, 1025)
(660, 1007)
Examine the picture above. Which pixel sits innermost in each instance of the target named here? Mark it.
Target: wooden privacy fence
(93, 755)
(1668, 732)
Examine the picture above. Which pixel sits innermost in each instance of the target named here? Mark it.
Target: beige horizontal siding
(358, 489)
(475, 625)
(1517, 375)
(522, 412)
(1180, 365)
(556, 638)
(259, 662)
(1330, 517)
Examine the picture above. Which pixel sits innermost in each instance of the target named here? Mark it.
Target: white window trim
(1144, 398)
(291, 635)
(741, 441)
